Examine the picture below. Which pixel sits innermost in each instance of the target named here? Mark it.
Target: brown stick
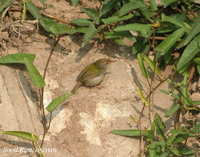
(47, 15)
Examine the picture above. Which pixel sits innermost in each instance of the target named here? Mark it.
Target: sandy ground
(81, 125)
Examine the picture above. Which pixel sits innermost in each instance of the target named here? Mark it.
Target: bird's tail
(76, 87)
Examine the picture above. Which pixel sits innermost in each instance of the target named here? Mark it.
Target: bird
(93, 74)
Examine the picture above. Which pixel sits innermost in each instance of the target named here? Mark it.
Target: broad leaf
(107, 6)
(119, 41)
(165, 45)
(129, 7)
(153, 5)
(34, 74)
(92, 13)
(143, 28)
(33, 10)
(56, 28)
(172, 20)
(82, 22)
(21, 134)
(168, 2)
(193, 31)
(91, 32)
(56, 102)
(17, 58)
(190, 51)
(114, 19)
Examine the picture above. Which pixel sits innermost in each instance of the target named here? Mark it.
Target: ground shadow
(19, 147)
(28, 88)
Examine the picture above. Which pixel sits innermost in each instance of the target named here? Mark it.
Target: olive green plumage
(93, 74)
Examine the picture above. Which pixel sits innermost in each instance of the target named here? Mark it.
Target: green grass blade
(130, 133)
(151, 64)
(171, 139)
(165, 45)
(185, 90)
(21, 134)
(16, 58)
(170, 93)
(142, 67)
(172, 20)
(187, 152)
(146, 13)
(56, 102)
(173, 109)
(166, 28)
(34, 74)
(151, 133)
(175, 151)
(154, 149)
(5, 3)
(144, 99)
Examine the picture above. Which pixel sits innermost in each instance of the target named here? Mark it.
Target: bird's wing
(89, 72)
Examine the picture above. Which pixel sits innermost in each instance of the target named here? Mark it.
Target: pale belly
(94, 82)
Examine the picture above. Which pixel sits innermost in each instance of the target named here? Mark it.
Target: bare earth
(81, 126)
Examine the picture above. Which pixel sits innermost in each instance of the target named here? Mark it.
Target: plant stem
(42, 91)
